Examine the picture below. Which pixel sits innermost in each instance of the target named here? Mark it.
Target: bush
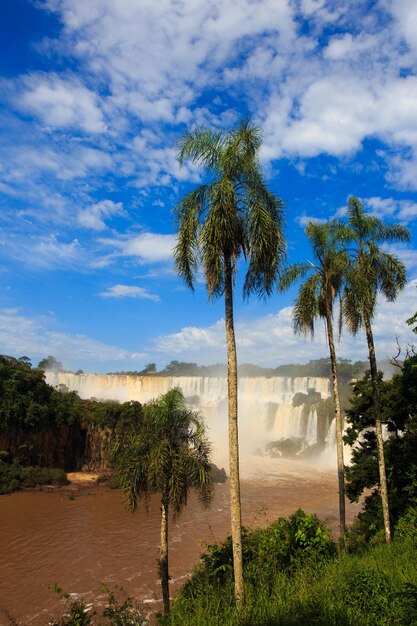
(14, 476)
(406, 529)
(120, 610)
(285, 546)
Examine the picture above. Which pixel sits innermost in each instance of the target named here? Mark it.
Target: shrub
(285, 546)
(406, 529)
(120, 610)
(14, 476)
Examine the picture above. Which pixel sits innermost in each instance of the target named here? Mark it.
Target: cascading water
(269, 424)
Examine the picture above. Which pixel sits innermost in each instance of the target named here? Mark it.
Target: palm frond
(264, 233)
(235, 215)
(291, 274)
(186, 252)
(392, 275)
(202, 146)
(306, 306)
(370, 269)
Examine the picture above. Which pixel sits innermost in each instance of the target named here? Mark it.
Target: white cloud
(128, 291)
(23, 335)
(404, 210)
(147, 247)
(313, 92)
(270, 341)
(405, 12)
(93, 216)
(61, 103)
(303, 220)
(44, 252)
(64, 162)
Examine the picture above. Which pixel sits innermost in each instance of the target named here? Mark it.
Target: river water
(85, 538)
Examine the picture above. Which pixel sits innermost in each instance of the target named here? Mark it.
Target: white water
(266, 413)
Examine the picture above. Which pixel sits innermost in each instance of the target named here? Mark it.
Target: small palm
(168, 455)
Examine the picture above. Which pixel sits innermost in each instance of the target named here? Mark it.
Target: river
(84, 538)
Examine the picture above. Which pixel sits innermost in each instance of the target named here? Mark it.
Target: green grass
(375, 588)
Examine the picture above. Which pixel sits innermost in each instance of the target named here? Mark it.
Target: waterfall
(268, 422)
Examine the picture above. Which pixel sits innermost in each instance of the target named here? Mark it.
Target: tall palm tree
(315, 300)
(232, 215)
(371, 271)
(168, 455)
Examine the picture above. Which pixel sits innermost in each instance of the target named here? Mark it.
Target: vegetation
(316, 367)
(51, 363)
(399, 414)
(120, 610)
(231, 216)
(293, 576)
(371, 271)
(168, 455)
(316, 299)
(44, 431)
(14, 476)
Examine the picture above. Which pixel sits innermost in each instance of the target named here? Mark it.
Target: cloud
(44, 252)
(403, 210)
(93, 216)
(270, 341)
(313, 91)
(128, 291)
(303, 220)
(405, 13)
(406, 254)
(23, 335)
(61, 103)
(147, 247)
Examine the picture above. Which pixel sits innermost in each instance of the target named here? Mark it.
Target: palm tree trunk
(163, 561)
(235, 505)
(339, 431)
(378, 429)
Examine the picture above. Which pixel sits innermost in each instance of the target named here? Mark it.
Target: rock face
(60, 447)
(269, 423)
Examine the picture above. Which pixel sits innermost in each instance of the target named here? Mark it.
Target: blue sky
(94, 96)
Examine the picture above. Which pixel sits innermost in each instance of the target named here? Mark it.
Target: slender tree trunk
(378, 429)
(339, 430)
(163, 561)
(235, 505)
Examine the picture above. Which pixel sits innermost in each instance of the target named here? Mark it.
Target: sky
(93, 98)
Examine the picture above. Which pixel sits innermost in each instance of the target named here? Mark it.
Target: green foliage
(406, 529)
(371, 269)
(399, 412)
(14, 476)
(168, 454)
(28, 403)
(324, 279)
(51, 363)
(231, 216)
(285, 546)
(375, 588)
(413, 320)
(120, 610)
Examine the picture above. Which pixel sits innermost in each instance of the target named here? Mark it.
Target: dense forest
(317, 367)
(42, 427)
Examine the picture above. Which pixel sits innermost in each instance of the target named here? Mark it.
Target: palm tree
(371, 271)
(168, 455)
(315, 300)
(232, 215)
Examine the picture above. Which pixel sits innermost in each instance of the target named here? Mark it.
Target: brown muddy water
(85, 538)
